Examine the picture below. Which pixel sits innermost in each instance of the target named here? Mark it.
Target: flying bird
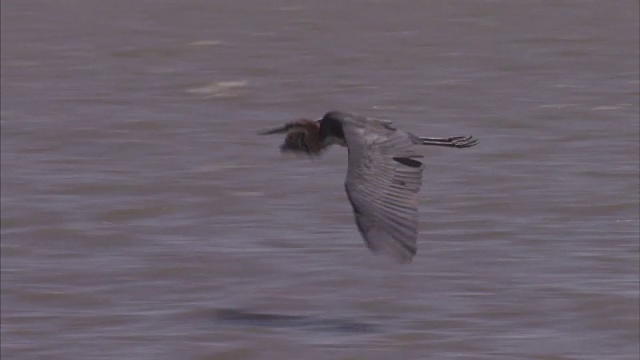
(383, 173)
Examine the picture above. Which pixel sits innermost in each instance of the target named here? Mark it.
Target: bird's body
(383, 175)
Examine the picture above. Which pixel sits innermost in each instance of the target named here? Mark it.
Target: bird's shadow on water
(243, 318)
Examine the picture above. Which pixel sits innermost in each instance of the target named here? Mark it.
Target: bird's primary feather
(383, 181)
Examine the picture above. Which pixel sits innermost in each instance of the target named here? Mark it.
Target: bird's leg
(449, 139)
(455, 141)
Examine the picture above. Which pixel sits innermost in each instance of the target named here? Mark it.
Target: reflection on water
(246, 318)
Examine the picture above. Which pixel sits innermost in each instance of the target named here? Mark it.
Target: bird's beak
(278, 130)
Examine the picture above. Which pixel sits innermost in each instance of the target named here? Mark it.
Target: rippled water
(142, 218)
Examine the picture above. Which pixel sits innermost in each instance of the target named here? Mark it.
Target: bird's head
(302, 136)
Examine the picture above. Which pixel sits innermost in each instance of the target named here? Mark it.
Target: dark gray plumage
(383, 181)
(383, 176)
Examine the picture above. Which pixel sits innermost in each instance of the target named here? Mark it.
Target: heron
(384, 174)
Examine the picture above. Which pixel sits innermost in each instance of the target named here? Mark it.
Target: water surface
(142, 218)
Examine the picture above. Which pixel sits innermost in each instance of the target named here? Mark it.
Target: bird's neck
(331, 131)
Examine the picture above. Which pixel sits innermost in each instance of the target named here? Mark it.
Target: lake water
(142, 218)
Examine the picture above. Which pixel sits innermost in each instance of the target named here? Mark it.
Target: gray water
(142, 218)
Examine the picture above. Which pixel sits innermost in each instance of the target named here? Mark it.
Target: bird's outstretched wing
(383, 181)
